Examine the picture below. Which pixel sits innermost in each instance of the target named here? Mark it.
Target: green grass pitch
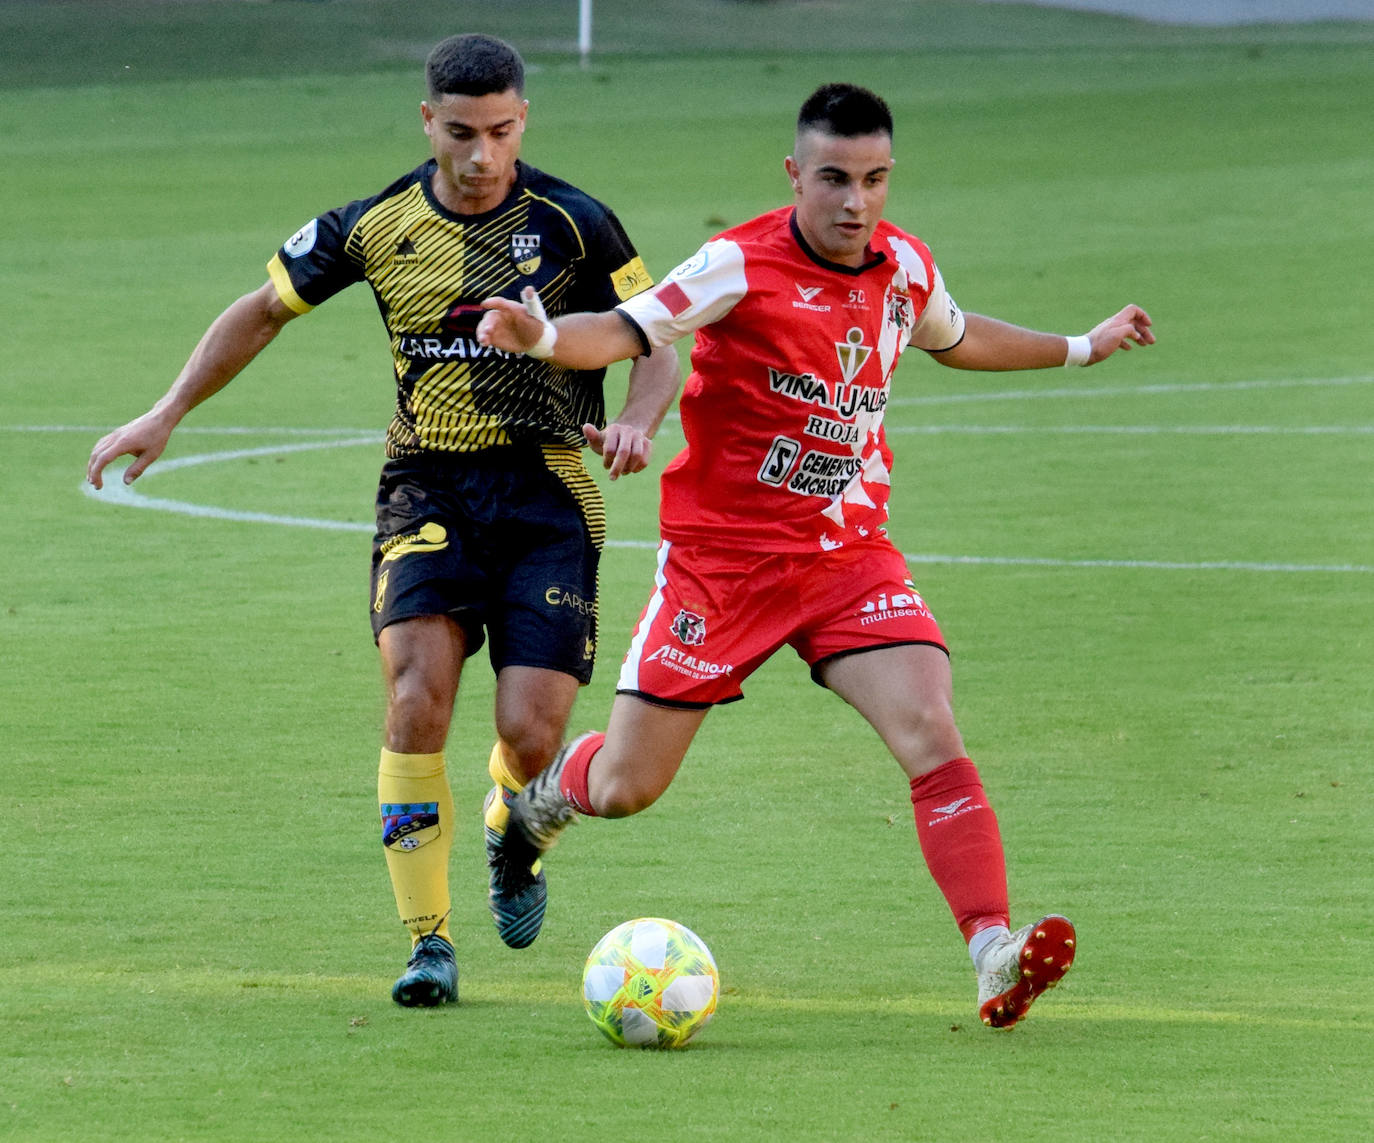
(1157, 576)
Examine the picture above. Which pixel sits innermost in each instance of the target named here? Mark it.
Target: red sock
(572, 783)
(962, 844)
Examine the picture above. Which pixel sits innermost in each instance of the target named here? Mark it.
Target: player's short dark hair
(474, 64)
(845, 110)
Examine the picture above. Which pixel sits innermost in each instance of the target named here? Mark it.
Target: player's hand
(1120, 331)
(512, 326)
(622, 448)
(143, 438)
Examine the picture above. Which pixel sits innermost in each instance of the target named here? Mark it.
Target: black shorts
(500, 542)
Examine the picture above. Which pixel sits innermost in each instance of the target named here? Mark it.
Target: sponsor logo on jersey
(431, 537)
(853, 353)
(778, 463)
(524, 252)
(823, 474)
(631, 279)
(557, 595)
(838, 431)
(689, 627)
(409, 825)
(434, 347)
(807, 293)
(844, 398)
(303, 241)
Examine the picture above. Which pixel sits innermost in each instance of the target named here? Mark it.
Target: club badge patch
(900, 310)
(409, 825)
(524, 252)
(690, 628)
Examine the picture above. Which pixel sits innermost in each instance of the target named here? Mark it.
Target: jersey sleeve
(700, 291)
(941, 324)
(314, 263)
(622, 270)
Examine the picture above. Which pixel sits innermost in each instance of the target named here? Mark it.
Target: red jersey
(791, 372)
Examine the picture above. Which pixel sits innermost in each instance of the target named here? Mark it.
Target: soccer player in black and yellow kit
(489, 528)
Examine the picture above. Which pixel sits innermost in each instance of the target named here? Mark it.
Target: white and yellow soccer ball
(650, 983)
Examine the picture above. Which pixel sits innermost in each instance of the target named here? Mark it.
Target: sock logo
(409, 825)
(953, 807)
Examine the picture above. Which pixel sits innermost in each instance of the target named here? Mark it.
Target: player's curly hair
(845, 110)
(474, 64)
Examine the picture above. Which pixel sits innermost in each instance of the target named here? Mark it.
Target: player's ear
(789, 165)
(426, 115)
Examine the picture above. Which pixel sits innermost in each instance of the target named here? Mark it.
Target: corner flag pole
(584, 31)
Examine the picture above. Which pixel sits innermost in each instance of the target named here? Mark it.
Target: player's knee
(621, 801)
(620, 793)
(532, 742)
(928, 737)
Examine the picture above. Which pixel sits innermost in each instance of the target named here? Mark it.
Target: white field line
(116, 492)
(1131, 390)
(1135, 430)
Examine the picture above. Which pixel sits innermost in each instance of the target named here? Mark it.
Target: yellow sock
(417, 834)
(498, 766)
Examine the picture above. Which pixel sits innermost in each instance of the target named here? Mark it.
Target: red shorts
(716, 616)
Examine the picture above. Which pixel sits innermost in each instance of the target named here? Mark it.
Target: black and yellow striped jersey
(429, 269)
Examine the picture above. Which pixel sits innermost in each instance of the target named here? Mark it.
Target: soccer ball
(650, 983)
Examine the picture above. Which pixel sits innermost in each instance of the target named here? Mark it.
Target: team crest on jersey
(852, 353)
(690, 628)
(899, 310)
(524, 252)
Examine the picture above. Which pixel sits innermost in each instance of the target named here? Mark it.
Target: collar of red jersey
(877, 257)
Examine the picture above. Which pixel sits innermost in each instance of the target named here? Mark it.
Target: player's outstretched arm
(232, 341)
(582, 341)
(626, 444)
(990, 344)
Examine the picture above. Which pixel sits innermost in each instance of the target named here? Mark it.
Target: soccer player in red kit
(799, 318)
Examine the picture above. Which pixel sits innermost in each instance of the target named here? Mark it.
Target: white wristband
(544, 346)
(1080, 349)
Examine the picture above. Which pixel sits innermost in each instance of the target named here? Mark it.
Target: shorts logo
(409, 825)
(899, 604)
(380, 597)
(430, 538)
(684, 664)
(690, 628)
(559, 596)
(524, 252)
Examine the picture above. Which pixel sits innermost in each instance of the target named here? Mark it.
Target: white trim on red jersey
(791, 372)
